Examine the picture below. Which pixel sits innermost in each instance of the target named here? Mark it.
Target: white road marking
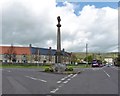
(95, 69)
(63, 78)
(106, 73)
(74, 75)
(8, 71)
(28, 76)
(62, 83)
(60, 86)
(68, 79)
(5, 70)
(36, 79)
(65, 82)
(33, 78)
(42, 80)
(69, 75)
(54, 90)
(59, 82)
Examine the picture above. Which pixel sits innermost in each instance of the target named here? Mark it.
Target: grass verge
(22, 66)
(79, 66)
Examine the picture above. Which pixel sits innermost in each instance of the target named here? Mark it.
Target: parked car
(95, 65)
(101, 65)
(109, 64)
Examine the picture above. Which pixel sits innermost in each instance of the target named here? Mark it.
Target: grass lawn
(79, 66)
(44, 66)
(22, 66)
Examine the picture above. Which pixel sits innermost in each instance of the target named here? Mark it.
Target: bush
(69, 69)
(51, 70)
(47, 64)
(48, 70)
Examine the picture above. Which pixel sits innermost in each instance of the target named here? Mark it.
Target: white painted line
(60, 86)
(59, 81)
(42, 80)
(53, 91)
(28, 76)
(69, 75)
(65, 82)
(68, 79)
(33, 78)
(95, 69)
(74, 75)
(8, 71)
(106, 73)
(36, 79)
(63, 78)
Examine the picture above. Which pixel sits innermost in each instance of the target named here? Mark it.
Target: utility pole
(86, 54)
(38, 57)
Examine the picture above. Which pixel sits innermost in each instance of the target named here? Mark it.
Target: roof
(28, 50)
(42, 51)
(45, 51)
(14, 50)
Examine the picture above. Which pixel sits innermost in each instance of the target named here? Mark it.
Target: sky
(34, 22)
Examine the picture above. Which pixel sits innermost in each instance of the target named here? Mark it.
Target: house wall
(19, 59)
(41, 59)
(109, 60)
(66, 59)
(32, 55)
(31, 59)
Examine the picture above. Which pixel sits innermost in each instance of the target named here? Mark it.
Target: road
(32, 81)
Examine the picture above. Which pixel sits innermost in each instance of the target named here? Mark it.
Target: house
(15, 54)
(109, 60)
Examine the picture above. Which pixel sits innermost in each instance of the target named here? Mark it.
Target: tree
(73, 58)
(11, 54)
(117, 60)
(37, 55)
(104, 62)
(89, 58)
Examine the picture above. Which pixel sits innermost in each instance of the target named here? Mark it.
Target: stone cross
(58, 53)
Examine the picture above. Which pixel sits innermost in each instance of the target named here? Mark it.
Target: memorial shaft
(58, 41)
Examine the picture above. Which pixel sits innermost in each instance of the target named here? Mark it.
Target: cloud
(33, 21)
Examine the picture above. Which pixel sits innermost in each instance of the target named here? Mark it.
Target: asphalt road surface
(32, 81)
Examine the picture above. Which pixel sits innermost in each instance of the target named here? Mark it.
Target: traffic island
(66, 71)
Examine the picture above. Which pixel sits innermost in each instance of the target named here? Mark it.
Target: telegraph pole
(86, 54)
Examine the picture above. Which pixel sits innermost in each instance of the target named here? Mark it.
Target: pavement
(102, 80)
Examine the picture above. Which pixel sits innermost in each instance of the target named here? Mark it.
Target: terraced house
(15, 54)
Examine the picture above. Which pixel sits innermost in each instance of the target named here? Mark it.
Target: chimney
(63, 50)
(30, 45)
(50, 48)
